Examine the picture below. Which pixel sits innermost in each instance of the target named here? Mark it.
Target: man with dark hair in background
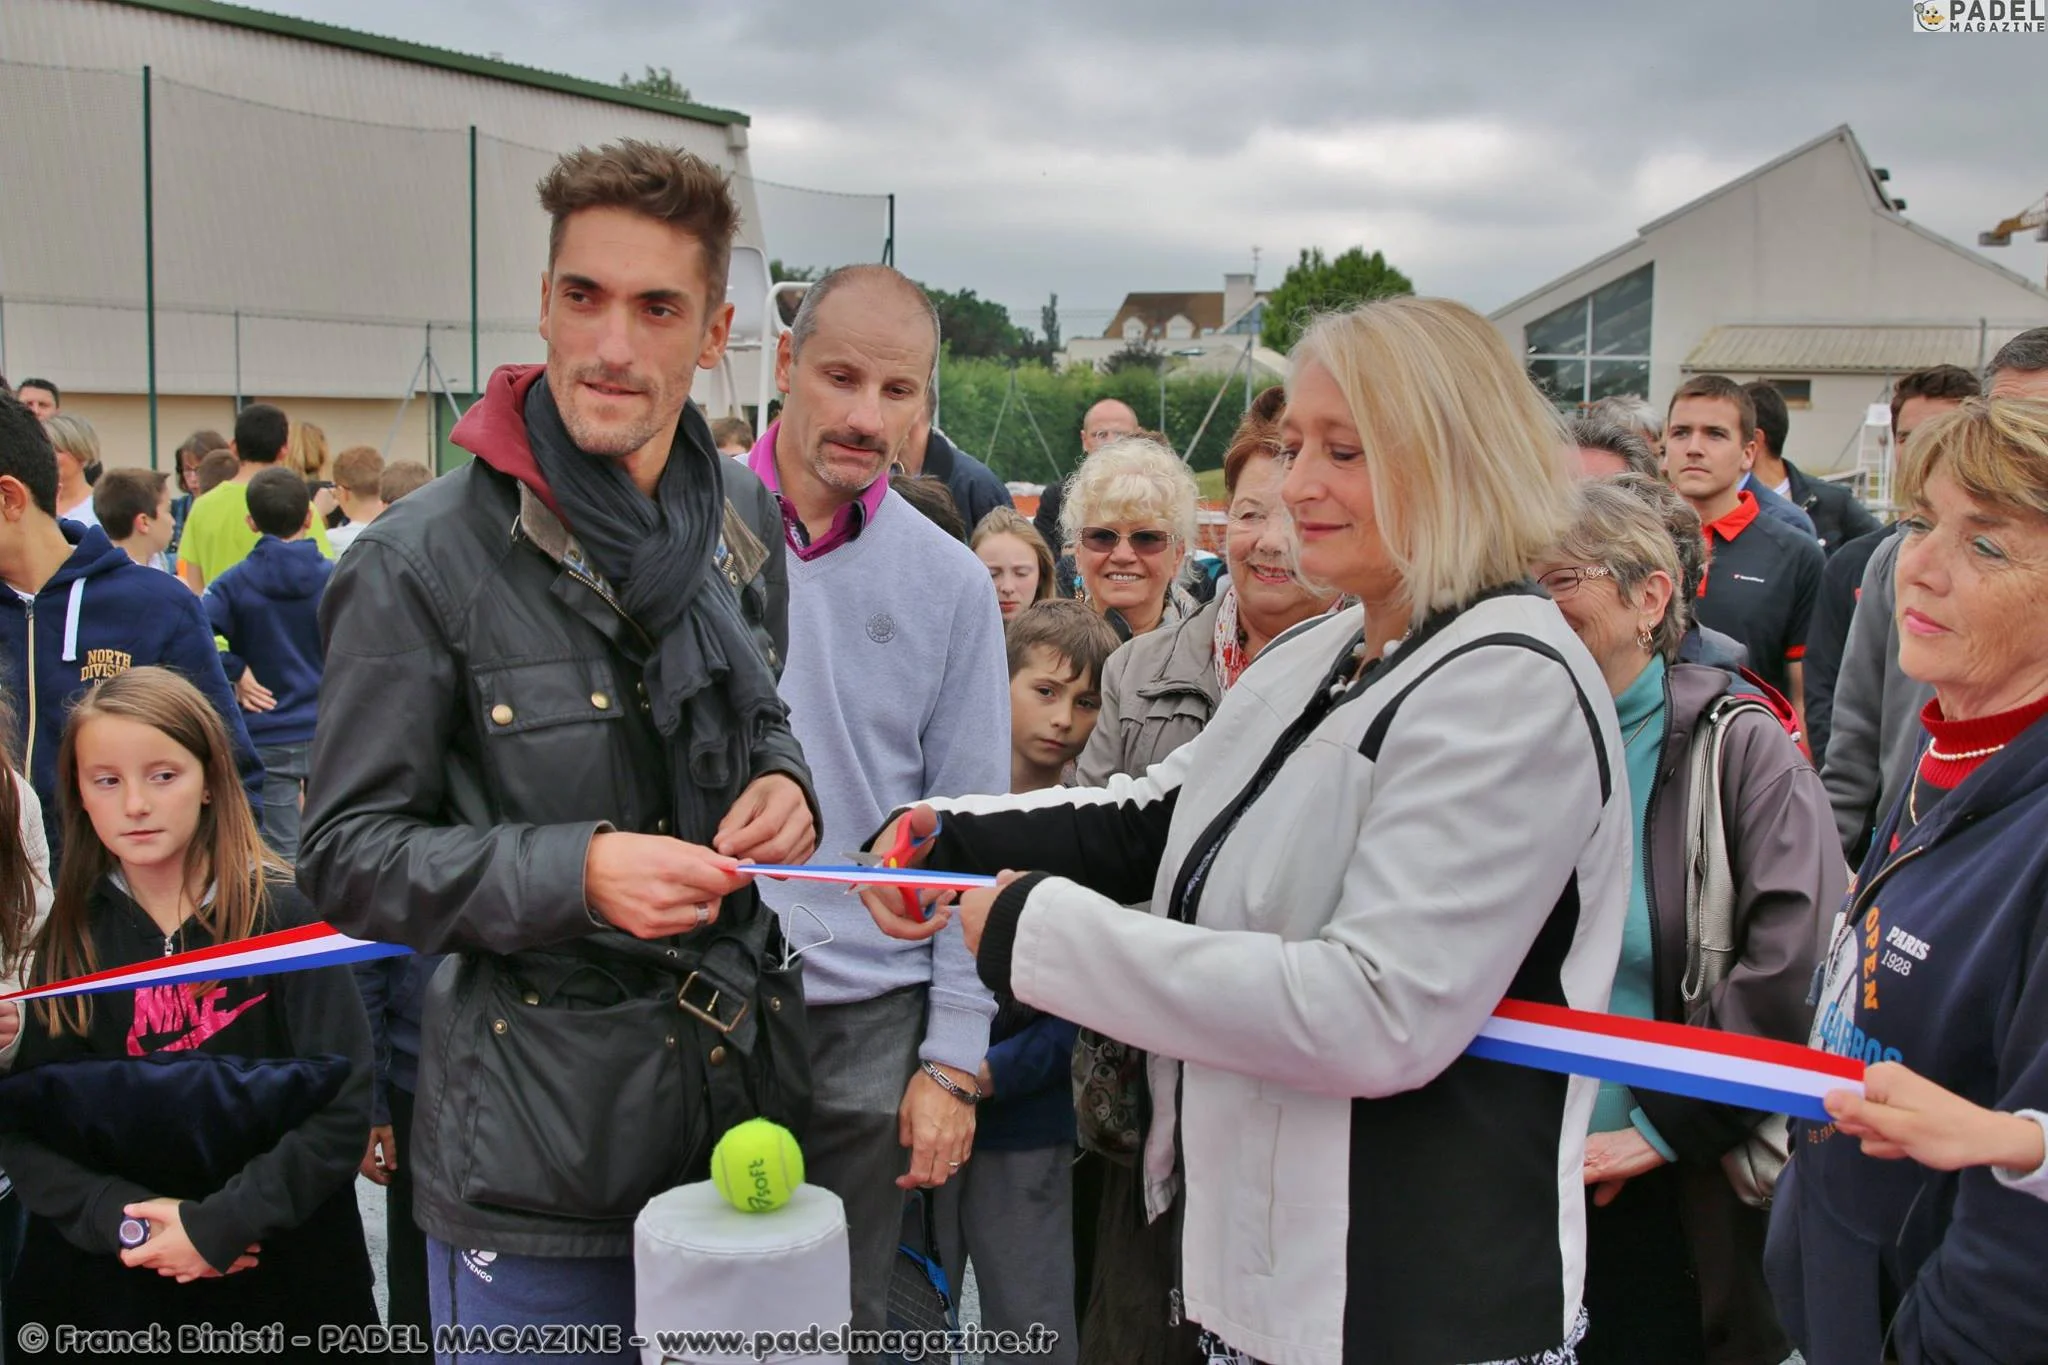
(1762, 575)
(549, 735)
(81, 610)
(1875, 741)
(1915, 398)
(1836, 515)
(217, 535)
(975, 489)
(40, 397)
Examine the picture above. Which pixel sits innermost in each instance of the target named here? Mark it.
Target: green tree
(1137, 354)
(778, 272)
(974, 327)
(1317, 285)
(661, 84)
(1049, 323)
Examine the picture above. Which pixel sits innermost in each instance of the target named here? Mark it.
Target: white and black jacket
(1345, 880)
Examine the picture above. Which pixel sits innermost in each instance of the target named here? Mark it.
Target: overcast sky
(1094, 148)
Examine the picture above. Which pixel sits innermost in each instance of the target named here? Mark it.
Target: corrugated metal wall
(312, 205)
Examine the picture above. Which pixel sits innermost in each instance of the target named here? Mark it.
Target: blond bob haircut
(1623, 525)
(1996, 450)
(1132, 479)
(75, 437)
(1466, 459)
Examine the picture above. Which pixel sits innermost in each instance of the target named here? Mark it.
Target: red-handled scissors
(900, 854)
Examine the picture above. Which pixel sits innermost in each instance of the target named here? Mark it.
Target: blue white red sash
(1729, 1068)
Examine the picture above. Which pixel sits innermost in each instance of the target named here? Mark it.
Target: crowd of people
(1624, 712)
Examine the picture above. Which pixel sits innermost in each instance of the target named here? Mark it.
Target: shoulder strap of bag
(1376, 731)
(1709, 880)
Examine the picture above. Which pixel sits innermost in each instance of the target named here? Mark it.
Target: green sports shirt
(217, 535)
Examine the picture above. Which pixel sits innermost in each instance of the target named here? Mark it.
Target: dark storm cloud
(1092, 148)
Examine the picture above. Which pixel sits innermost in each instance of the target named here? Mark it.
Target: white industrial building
(1804, 272)
(311, 196)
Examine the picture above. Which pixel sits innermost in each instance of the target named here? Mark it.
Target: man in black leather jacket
(548, 735)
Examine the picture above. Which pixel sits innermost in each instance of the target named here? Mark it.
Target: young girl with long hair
(162, 856)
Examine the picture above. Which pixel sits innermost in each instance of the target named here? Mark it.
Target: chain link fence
(165, 239)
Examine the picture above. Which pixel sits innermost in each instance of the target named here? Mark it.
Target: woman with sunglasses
(1130, 517)
(1397, 816)
(1674, 1250)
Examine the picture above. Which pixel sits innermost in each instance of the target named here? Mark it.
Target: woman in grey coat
(1674, 1255)
(1158, 691)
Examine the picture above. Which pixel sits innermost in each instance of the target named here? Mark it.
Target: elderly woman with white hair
(1129, 520)
(1937, 973)
(1674, 1244)
(1396, 817)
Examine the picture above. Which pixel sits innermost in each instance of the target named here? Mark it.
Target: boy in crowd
(358, 476)
(1057, 648)
(134, 509)
(733, 436)
(267, 608)
(401, 477)
(217, 535)
(1011, 1209)
(216, 467)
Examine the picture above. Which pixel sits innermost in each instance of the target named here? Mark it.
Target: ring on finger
(703, 915)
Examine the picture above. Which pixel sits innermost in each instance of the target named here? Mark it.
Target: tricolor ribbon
(1643, 1054)
(915, 879)
(1704, 1064)
(285, 950)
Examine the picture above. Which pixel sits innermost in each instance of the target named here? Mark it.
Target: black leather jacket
(481, 719)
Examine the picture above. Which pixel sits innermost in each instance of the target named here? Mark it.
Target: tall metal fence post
(238, 362)
(476, 380)
(889, 242)
(149, 251)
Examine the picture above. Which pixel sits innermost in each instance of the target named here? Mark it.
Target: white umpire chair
(757, 327)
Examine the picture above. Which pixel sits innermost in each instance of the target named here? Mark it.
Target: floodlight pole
(149, 252)
(476, 381)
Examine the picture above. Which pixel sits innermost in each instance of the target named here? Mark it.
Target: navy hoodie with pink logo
(1941, 963)
(100, 614)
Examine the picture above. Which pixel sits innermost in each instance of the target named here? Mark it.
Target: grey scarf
(712, 693)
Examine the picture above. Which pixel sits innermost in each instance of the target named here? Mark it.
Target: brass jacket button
(600, 701)
(501, 714)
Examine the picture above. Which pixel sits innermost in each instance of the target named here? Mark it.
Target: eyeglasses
(1566, 581)
(1104, 541)
(1106, 434)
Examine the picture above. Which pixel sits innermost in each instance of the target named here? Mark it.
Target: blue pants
(284, 777)
(471, 1288)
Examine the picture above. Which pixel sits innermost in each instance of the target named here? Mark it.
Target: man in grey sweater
(898, 689)
(1877, 733)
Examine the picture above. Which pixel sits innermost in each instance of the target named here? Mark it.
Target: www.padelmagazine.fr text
(248, 1342)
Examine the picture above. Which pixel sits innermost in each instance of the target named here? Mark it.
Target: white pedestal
(700, 1265)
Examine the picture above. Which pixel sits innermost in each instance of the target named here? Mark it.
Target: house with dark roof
(1207, 330)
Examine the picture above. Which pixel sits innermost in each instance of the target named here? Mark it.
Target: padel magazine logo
(1980, 16)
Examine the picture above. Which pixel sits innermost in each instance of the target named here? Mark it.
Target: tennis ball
(757, 1166)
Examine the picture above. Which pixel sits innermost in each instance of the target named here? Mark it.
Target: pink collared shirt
(846, 522)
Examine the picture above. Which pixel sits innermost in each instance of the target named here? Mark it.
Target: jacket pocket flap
(514, 698)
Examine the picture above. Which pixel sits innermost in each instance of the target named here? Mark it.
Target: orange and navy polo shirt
(1762, 580)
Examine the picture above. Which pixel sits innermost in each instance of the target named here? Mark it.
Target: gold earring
(1643, 640)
